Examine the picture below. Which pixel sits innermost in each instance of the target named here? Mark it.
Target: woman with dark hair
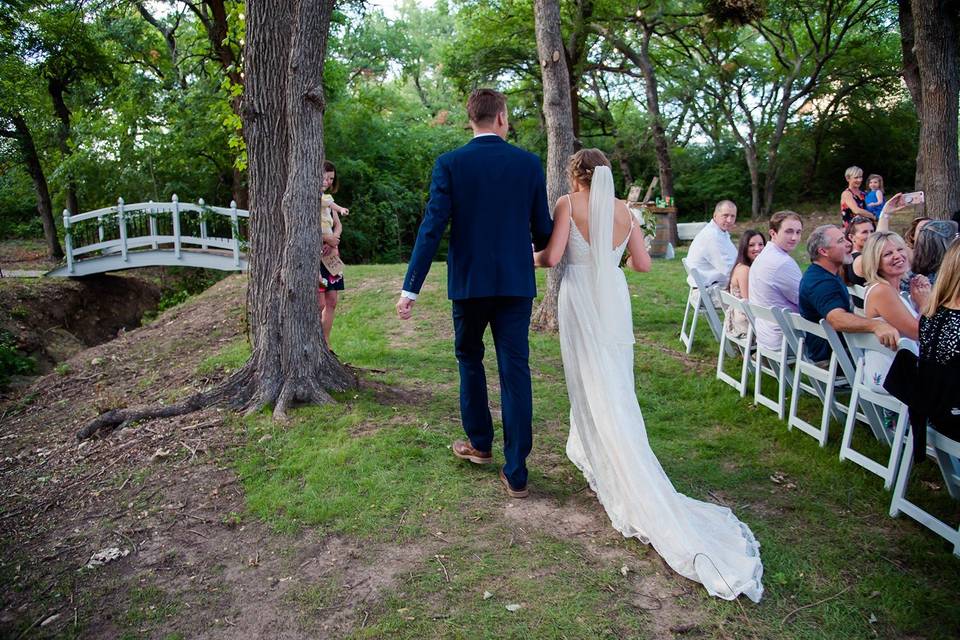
(859, 229)
(931, 244)
(331, 284)
(751, 244)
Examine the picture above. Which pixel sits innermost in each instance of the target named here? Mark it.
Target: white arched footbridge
(151, 234)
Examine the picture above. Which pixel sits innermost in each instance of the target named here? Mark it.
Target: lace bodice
(578, 249)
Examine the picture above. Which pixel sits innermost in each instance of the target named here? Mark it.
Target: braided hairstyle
(582, 163)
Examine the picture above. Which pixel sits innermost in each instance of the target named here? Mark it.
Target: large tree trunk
(911, 71)
(56, 88)
(308, 366)
(560, 140)
(935, 43)
(35, 169)
(290, 363)
(653, 108)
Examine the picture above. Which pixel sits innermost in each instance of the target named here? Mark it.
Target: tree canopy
(762, 103)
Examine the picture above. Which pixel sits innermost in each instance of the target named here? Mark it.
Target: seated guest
(858, 231)
(751, 244)
(712, 253)
(824, 295)
(931, 245)
(885, 263)
(910, 237)
(775, 277)
(939, 370)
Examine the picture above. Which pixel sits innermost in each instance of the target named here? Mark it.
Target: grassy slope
(378, 467)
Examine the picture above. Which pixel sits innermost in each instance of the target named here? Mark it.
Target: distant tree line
(762, 103)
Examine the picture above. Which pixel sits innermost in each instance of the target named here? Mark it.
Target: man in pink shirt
(775, 276)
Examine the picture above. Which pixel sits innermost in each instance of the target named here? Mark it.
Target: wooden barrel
(658, 248)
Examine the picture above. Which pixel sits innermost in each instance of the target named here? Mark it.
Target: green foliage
(12, 361)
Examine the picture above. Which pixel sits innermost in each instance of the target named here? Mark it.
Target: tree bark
(653, 107)
(641, 58)
(44, 206)
(560, 139)
(576, 53)
(936, 30)
(290, 363)
(56, 88)
(309, 368)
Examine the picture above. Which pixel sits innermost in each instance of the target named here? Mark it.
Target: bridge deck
(203, 259)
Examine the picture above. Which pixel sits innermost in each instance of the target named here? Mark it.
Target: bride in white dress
(608, 440)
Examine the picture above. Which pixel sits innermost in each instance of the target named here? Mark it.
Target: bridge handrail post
(100, 233)
(122, 220)
(68, 240)
(152, 213)
(203, 224)
(176, 227)
(235, 233)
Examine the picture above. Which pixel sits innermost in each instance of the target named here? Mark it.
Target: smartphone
(914, 197)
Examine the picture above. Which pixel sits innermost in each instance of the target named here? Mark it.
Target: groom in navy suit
(494, 197)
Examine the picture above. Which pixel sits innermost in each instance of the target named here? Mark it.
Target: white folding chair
(866, 414)
(699, 301)
(731, 304)
(863, 394)
(772, 362)
(822, 382)
(946, 451)
(857, 291)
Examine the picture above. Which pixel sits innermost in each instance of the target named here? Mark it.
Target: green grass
(227, 360)
(375, 466)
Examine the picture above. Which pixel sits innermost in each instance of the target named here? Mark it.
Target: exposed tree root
(244, 390)
(234, 392)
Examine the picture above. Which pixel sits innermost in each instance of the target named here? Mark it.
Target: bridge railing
(174, 226)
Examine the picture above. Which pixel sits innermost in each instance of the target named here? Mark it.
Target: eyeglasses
(860, 220)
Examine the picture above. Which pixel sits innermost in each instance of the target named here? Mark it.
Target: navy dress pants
(509, 319)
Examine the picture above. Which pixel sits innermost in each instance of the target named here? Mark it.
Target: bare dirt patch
(649, 585)
(164, 495)
(52, 319)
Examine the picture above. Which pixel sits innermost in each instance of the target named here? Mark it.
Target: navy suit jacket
(494, 197)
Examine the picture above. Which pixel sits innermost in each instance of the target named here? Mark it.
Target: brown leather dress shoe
(513, 493)
(465, 451)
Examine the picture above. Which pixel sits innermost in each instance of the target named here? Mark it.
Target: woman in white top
(885, 261)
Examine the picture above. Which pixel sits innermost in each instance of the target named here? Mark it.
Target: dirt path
(164, 498)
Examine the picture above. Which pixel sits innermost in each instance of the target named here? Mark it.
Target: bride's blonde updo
(582, 163)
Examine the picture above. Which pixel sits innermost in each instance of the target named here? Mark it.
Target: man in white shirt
(774, 279)
(712, 253)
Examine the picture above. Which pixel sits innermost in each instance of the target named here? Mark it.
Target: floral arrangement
(645, 220)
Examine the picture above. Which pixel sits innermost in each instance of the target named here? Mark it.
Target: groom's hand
(404, 308)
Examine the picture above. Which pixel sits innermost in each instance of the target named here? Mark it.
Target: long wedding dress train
(702, 541)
